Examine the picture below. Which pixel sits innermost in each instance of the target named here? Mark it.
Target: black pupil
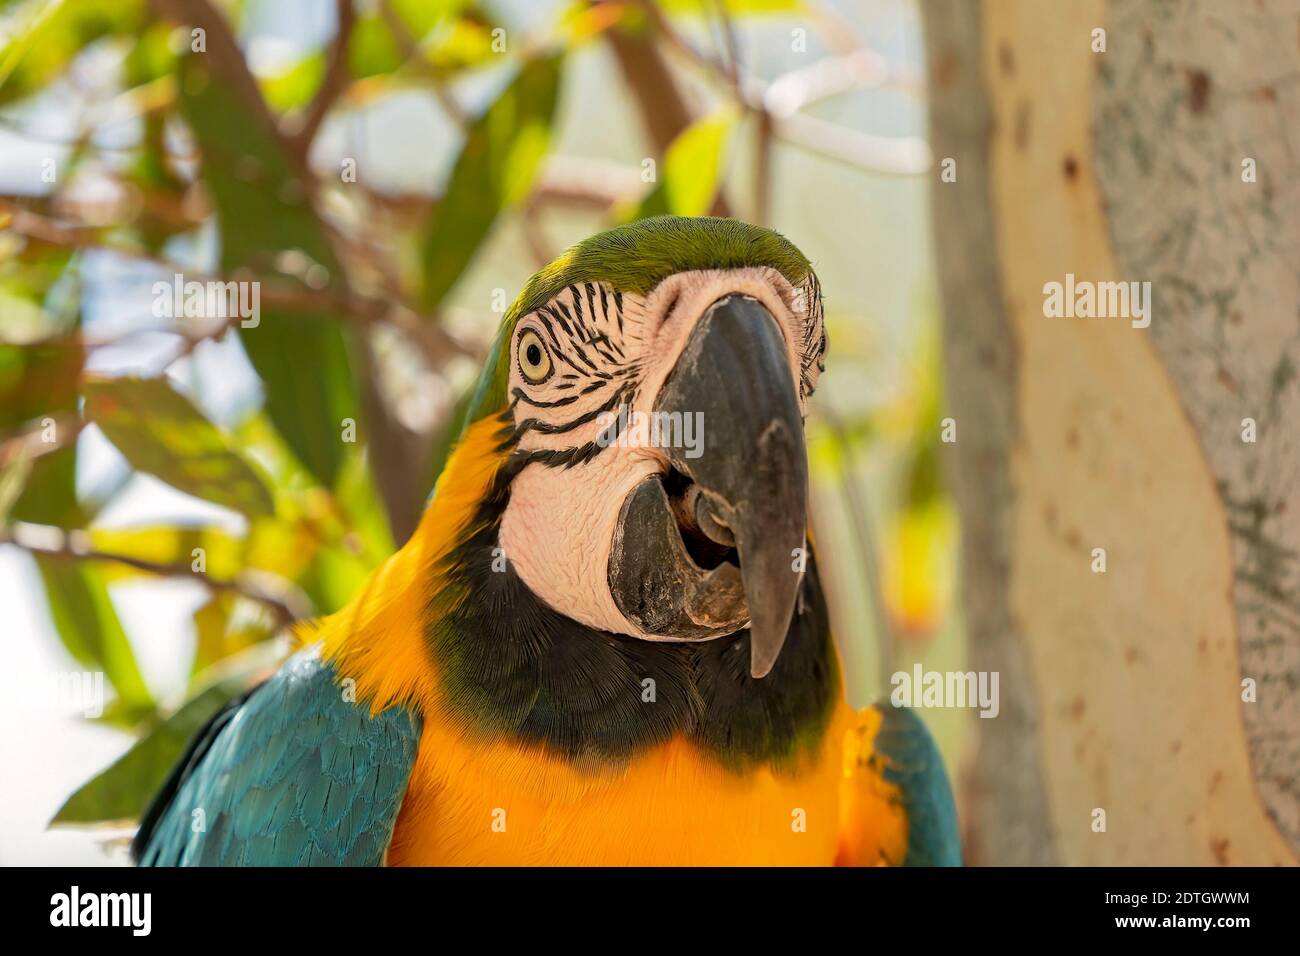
(533, 354)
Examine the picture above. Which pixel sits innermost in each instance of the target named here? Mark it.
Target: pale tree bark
(1122, 691)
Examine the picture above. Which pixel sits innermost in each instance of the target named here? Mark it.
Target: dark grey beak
(745, 487)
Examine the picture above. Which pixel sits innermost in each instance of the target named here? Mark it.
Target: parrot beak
(736, 513)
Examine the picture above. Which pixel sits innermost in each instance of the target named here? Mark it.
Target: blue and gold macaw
(607, 642)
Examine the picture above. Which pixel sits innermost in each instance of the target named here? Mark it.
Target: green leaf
(123, 790)
(41, 37)
(20, 312)
(51, 493)
(335, 578)
(372, 50)
(923, 480)
(159, 431)
(222, 630)
(88, 624)
(446, 438)
(284, 548)
(29, 272)
(13, 479)
(161, 191)
(494, 171)
(38, 380)
(223, 555)
(447, 38)
(363, 512)
(263, 211)
(459, 44)
(295, 87)
(151, 57)
(692, 168)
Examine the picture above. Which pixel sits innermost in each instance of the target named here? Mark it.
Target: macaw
(607, 641)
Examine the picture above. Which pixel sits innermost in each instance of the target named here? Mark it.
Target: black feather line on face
(515, 668)
(520, 396)
(560, 428)
(586, 360)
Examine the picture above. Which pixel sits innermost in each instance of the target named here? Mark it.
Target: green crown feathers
(634, 258)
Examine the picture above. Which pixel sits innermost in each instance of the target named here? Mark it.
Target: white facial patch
(610, 354)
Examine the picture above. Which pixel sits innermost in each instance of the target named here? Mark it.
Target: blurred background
(391, 172)
(1118, 501)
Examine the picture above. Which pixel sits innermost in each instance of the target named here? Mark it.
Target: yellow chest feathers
(503, 804)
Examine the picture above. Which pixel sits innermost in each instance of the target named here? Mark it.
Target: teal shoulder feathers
(290, 775)
(913, 764)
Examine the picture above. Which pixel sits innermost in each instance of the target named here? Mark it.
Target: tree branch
(410, 49)
(785, 96)
(763, 133)
(285, 607)
(731, 65)
(434, 342)
(223, 53)
(864, 540)
(332, 87)
(662, 106)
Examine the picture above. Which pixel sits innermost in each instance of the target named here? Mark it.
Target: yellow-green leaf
(123, 790)
(159, 431)
(221, 555)
(691, 171)
(38, 380)
(50, 496)
(445, 36)
(13, 478)
(282, 547)
(295, 87)
(263, 211)
(222, 630)
(39, 38)
(493, 172)
(89, 627)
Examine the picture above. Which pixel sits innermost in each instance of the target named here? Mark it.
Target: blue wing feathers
(291, 775)
(914, 765)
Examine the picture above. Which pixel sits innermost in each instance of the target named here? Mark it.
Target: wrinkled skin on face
(665, 493)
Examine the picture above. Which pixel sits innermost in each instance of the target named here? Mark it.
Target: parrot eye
(534, 360)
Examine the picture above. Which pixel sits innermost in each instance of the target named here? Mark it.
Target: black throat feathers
(513, 667)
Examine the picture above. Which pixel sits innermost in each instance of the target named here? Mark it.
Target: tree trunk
(1122, 691)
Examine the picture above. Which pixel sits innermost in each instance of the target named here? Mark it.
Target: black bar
(263, 906)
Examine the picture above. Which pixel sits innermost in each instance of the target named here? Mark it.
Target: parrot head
(650, 388)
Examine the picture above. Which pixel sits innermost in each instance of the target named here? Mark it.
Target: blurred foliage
(692, 169)
(160, 432)
(122, 791)
(493, 174)
(218, 180)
